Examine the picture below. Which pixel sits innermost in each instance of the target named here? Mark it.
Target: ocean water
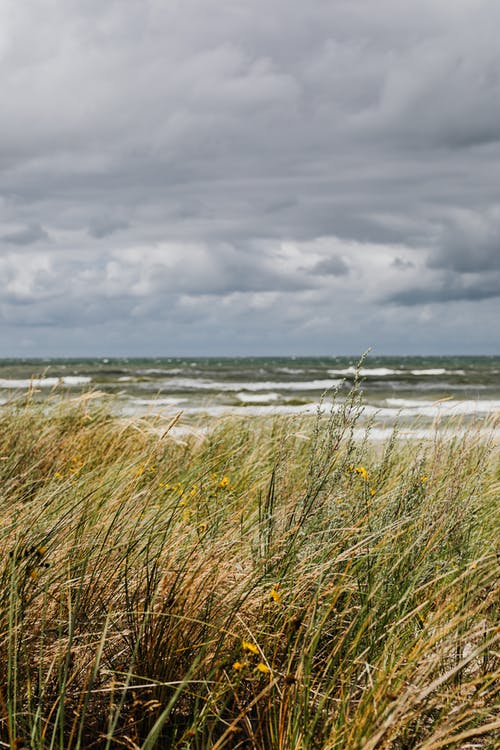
(410, 389)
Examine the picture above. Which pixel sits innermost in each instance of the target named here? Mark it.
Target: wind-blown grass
(272, 583)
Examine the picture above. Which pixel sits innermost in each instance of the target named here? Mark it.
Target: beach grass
(266, 583)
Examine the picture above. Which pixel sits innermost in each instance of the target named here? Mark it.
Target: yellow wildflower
(249, 646)
(275, 595)
(224, 482)
(262, 667)
(34, 574)
(362, 472)
(372, 491)
(58, 475)
(77, 464)
(239, 665)
(424, 478)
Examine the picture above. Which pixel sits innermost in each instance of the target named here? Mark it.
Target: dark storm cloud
(402, 264)
(104, 226)
(451, 289)
(26, 236)
(469, 243)
(260, 158)
(334, 265)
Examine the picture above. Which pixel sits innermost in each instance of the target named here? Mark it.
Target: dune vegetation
(267, 583)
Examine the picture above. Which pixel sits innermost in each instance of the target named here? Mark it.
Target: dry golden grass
(272, 583)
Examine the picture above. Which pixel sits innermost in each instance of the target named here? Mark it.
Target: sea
(414, 391)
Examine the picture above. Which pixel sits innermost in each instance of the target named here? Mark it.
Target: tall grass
(270, 583)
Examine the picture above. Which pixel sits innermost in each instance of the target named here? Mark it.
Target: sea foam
(68, 380)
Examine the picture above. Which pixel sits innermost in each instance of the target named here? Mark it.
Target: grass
(272, 584)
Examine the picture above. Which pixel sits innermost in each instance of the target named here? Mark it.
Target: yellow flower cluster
(251, 650)
(275, 594)
(145, 468)
(73, 468)
(76, 465)
(363, 473)
(250, 647)
(261, 667)
(222, 482)
(37, 562)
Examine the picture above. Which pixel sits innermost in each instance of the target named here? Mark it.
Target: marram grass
(271, 584)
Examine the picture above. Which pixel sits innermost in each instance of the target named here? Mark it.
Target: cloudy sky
(249, 177)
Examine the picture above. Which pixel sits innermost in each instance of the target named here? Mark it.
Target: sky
(249, 177)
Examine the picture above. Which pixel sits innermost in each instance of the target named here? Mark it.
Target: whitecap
(375, 372)
(157, 401)
(290, 370)
(74, 380)
(213, 385)
(70, 380)
(435, 371)
(449, 407)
